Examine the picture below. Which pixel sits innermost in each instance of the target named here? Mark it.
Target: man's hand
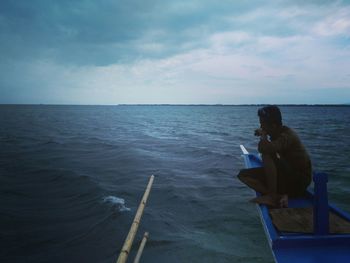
(265, 146)
(260, 132)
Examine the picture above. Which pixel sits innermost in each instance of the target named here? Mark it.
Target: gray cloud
(106, 32)
(108, 51)
(77, 32)
(112, 31)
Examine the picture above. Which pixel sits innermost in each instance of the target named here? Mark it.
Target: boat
(322, 231)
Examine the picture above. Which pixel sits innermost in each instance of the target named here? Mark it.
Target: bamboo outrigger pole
(142, 245)
(133, 229)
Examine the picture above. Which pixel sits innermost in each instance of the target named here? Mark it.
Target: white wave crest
(116, 202)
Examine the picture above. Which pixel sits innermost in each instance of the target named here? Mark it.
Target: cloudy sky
(183, 51)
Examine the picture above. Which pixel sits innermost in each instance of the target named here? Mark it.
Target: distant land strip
(167, 104)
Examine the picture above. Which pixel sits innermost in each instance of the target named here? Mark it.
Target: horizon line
(177, 104)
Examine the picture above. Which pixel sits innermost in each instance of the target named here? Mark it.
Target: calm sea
(71, 179)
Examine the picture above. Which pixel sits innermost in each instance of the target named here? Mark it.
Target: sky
(174, 52)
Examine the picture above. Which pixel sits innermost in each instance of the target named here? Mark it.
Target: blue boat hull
(300, 247)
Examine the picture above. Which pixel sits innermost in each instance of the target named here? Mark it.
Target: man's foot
(283, 201)
(275, 201)
(268, 200)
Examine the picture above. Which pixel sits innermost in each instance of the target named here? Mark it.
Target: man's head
(270, 118)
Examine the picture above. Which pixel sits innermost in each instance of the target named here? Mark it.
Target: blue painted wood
(321, 208)
(321, 247)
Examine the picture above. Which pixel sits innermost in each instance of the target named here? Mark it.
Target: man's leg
(273, 198)
(271, 173)
(264, 181)
(254, 178)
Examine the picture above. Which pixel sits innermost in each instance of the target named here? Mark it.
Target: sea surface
(72, 177)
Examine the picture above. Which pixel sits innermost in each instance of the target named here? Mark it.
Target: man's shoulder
(289, 133)
(288, 130)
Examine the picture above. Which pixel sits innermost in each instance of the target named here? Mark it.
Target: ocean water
(72, 177)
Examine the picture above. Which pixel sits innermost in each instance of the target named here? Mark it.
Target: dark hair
(270, 114)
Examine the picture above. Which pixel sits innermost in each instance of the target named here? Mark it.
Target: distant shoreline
(215, 105)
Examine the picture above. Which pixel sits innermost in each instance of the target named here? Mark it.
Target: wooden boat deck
(300, 220)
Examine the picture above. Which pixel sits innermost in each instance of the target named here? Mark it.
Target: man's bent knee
(242, 174)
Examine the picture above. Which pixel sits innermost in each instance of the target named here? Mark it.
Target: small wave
(117, 202)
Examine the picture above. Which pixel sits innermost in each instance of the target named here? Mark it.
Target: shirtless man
(286, 170)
